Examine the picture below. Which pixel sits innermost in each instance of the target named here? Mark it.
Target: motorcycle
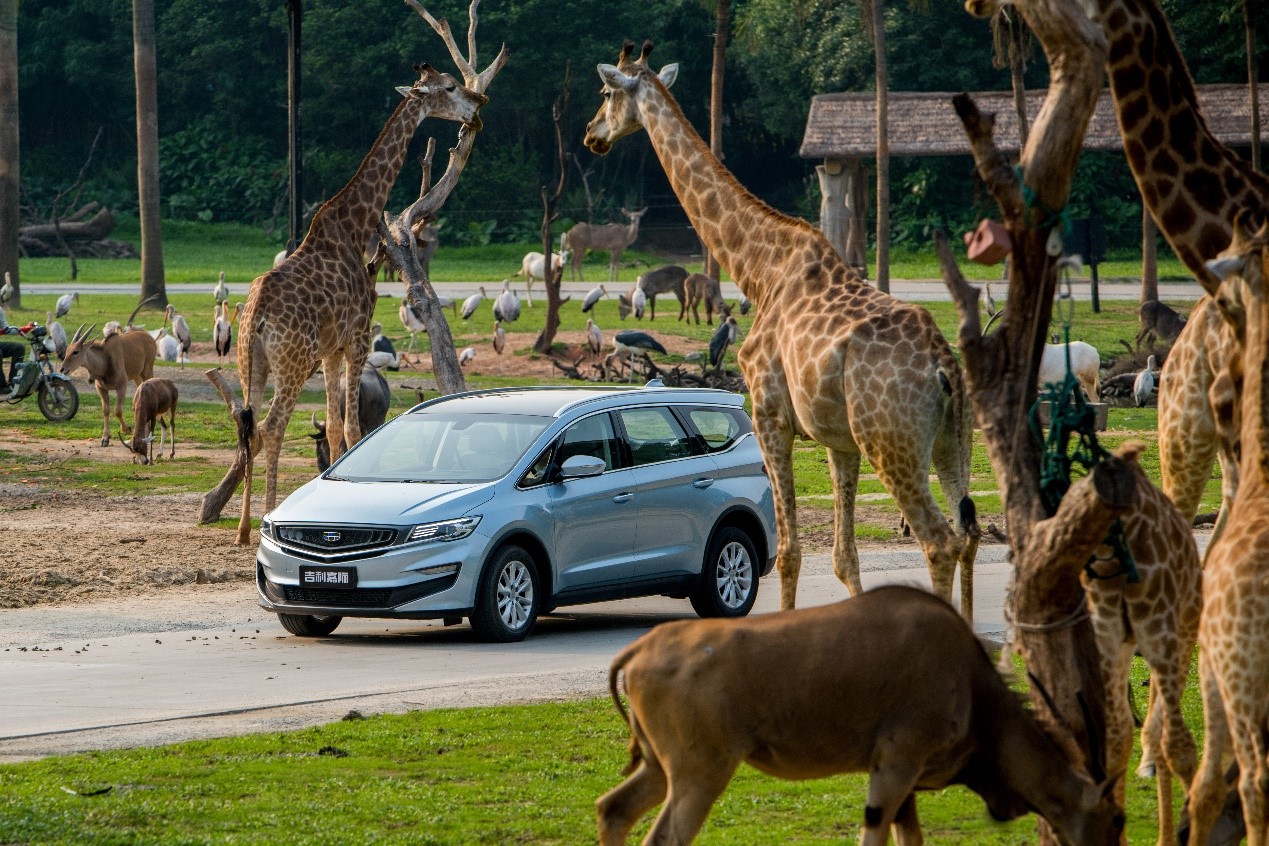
(57, 396)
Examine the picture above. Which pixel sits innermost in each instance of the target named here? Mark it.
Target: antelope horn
(79, 334)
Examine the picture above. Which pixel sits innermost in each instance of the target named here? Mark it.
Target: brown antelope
(705, 289)
(892, 683)
(663, 280)
(613, 237)
(110, 363)
(152, 400)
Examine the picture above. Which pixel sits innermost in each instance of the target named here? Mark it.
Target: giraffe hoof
(1146, 769)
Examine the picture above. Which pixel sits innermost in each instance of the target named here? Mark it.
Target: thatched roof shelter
(844, 126)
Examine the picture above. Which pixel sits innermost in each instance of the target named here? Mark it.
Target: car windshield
(441, 447)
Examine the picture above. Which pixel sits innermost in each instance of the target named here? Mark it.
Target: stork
(990, 302)
(6, 292)
(58, 334)
(724, 336)
(382, 353)
(472, 303)
(1143, 386)
(507, 307)
(221, 291)
(467, 355)
(180, 329)
(594, 296)
(594, 336)
(632, 342)
(223, 330)
(499, 341)
(64, 303)
(447, 302)
(638, 301)
(411, 320)
(169, 347)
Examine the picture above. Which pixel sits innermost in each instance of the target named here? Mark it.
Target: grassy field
(511, 775)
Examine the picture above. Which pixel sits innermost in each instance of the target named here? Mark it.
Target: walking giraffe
(1234, 631)
(828, 356)
(316, 306)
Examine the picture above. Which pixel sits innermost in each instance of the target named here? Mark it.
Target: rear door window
(719, 428)
(654, 435)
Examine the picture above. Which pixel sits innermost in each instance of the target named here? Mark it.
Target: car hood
(387, 503)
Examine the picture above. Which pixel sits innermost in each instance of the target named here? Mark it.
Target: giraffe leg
(843, 469)
(1165, 733)
(1207, 791)
(774, 432)
(906, 477)
(336, 437)
(352, 399)
(952, 452)
(273, 431)
(1249, 749)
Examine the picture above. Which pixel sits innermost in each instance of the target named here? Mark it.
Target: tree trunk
(1046, 602)
(1017, 69)
(883, 148)
(1149, 257)
(833, 223)
(722, 33)
(856, 230)
(550, 278)
(1253, 79)
(9, 160)
(153, 287)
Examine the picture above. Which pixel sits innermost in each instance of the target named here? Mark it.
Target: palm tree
(1253, 75)
(873, 10)
(9, 146)
(722, 34)
(152, 284)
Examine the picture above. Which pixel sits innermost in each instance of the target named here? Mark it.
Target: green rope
(1071, 417)
(1032, 202)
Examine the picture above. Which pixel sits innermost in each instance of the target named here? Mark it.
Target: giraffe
(1194, 186)
(1158, 616)
(1234, 630)
(316, 306)
(828, 357)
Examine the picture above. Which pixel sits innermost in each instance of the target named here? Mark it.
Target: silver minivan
(502, 505)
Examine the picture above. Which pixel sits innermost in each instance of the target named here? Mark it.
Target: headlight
(266, 528)
(444, 530)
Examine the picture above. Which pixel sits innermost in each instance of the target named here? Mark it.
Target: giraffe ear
(403, 90)
(1223, 268)
(668, 74)
(614, 78)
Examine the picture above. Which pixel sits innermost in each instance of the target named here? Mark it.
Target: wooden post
(857, 202)
(833, 222)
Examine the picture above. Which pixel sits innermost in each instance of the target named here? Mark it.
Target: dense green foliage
(222, 94)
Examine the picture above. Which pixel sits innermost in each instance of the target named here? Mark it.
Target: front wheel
(729, 579)
(58, 400)
(309, 625)
(508, 598)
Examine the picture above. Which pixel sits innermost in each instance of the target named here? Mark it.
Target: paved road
(212, 663)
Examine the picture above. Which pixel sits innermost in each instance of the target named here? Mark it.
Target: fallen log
(95, 228)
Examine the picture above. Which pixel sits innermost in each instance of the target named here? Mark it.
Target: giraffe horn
(626, 49)
(644, 51)
(422, 67)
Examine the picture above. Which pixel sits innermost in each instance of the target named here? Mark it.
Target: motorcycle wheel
(58, 400)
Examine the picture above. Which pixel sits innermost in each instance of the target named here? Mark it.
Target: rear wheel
(508, 599)
(58, 400)
(729, 579)
(309, 625)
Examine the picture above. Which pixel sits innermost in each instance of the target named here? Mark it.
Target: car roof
(551, 401)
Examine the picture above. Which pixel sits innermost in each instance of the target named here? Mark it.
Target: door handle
(702, 483)
(623, 497)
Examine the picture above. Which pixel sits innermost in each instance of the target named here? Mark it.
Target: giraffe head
(1241, 269)
(445, 97)
(618, 115)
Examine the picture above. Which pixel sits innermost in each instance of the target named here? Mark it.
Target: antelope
(110, 363)
(613, 237)
(152, 400)
(892, 682)
(1158, 320)
(705, 289)
(663, 280)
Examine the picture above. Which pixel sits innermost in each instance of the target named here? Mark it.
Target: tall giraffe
(316, 306)
(828, 356)
(1193, 186)
(1234, 631)
(1157, 616)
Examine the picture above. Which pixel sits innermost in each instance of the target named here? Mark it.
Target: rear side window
(719, 428)
(654, 435)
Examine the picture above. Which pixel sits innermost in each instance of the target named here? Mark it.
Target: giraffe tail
(958, 433)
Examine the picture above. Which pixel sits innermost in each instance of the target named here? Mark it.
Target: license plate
(328, 577)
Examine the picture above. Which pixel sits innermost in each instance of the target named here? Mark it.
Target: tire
(309, 625)
(508, 599)
(729, 579)
(58, 400)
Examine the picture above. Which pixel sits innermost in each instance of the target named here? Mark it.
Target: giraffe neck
(359, 204)
(1192, 184)
(729, 219)
(1254, 403)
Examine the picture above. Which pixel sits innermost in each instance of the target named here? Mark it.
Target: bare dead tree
(585, 173)
(552, 276)
(1046, 601)
(72, 191)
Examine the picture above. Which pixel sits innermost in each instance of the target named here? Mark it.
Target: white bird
(58, 334)
(594, 336)
(221, 291)
(638, 302)
(411, 320)
(507, 307)
(112, 327)
(1144, 384)
(279, 258)
(64, 303)
(169, 347)
(499, 338)
(990, 300)
(472, 303)
(6, 292)
(180, 329)
(595, 295)
(466, 355)
(447, 302)
(223, 331)
(379, 359)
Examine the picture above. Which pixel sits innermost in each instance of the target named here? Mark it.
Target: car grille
(355, 598)
(334, 540)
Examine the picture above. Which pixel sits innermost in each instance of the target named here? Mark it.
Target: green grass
(511, 775)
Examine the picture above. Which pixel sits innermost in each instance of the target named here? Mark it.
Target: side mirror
(581, 467)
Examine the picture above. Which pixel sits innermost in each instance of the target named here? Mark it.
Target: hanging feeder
(989, 243)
